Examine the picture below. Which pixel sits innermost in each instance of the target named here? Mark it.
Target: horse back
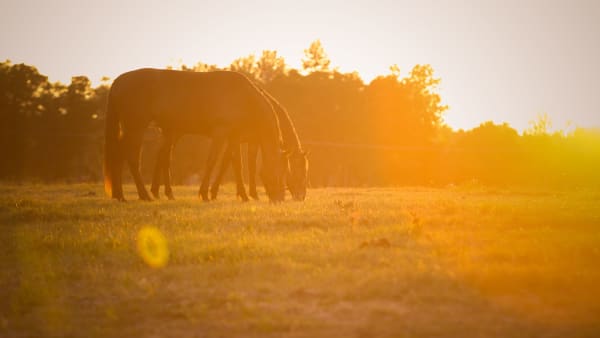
(186, 101)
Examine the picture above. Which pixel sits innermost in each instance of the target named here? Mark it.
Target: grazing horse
(222, 105)
(295, 169)
(297, 166)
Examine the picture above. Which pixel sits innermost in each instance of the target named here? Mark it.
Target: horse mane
(290, 138)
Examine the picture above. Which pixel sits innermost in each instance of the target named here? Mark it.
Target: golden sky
(501, 60)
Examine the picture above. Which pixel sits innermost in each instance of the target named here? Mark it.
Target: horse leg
(133, 145)
(167, 167)
(214, 189)
(252, 154)
(213, 155)
(158, 170)
(236, 161)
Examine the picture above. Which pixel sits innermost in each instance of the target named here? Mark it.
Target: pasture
(464, 261)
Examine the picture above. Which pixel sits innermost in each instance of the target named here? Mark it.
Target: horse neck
(269, 132)
(288, 131)
(289, 136)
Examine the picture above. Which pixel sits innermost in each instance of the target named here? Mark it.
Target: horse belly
(187, 108)
(184, 118)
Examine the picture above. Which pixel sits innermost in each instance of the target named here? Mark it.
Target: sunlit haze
(498, 60)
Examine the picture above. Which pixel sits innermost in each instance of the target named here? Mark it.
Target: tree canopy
(388, 131)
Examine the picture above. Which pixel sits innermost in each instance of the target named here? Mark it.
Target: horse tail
(111, 150)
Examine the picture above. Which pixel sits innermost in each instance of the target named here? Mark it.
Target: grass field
(410, 262)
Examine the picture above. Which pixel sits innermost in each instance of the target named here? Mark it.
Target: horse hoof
(156, 194)
(204, 196)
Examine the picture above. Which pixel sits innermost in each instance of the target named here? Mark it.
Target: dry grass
(456, 262)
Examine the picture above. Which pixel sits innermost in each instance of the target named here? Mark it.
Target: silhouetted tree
(405, 111)
(204, 67)
(269, 66)
(541, 125)
(21, 87)
(315, 59)
(390, 131)
(245, 65)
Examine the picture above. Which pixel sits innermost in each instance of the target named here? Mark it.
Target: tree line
(386, 132)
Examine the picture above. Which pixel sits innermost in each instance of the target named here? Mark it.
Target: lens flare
(152, 247)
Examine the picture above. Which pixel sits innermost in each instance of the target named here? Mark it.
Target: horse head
(297, 174)
(273, 173)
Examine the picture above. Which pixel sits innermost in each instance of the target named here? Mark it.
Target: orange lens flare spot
(152, 247)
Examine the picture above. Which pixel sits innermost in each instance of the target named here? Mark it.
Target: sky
(499, 60)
